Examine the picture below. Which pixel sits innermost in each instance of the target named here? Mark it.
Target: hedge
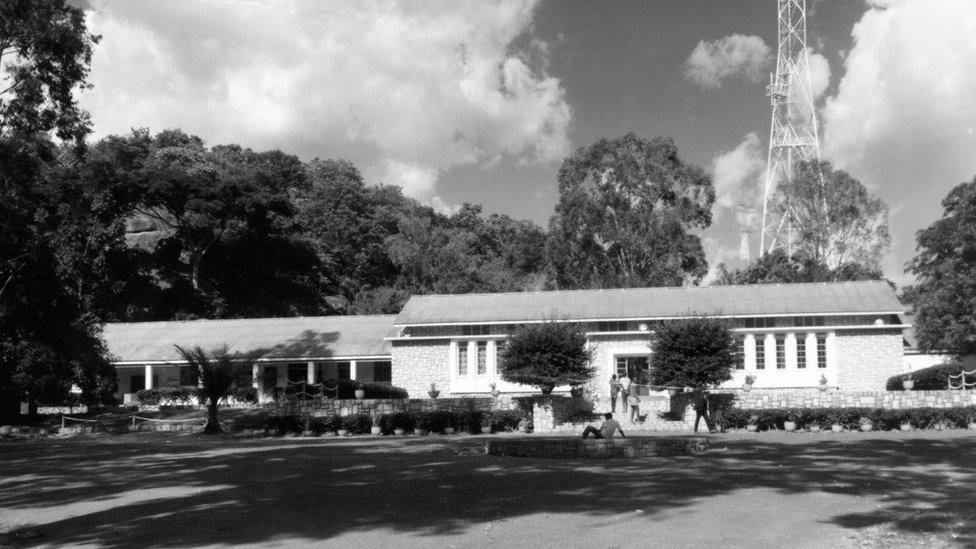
(176, 396)
(469, 421)
(347, 389)
(850, 418)
(933, 378)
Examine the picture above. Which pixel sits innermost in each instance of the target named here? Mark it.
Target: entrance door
(137, 383)
(637, 369)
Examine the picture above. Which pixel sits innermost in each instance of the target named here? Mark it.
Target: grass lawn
(756, 490)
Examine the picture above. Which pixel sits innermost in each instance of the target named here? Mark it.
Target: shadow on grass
(188, 491)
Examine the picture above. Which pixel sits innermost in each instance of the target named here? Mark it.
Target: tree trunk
(213, 425)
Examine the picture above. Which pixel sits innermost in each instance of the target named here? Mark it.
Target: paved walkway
(749, 490)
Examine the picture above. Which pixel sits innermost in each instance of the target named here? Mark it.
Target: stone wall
(867, 358)
(417, 364)
(562, 414)
(596, 449)
(815, 398)
(345, 407)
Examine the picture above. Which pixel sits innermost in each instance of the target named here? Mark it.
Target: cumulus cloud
(732, 56)
(736, 173)
(903, 118)
(407, 90)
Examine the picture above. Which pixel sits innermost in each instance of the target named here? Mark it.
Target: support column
(769, 346)
(790, 348)
(311, 373)
(256, 376)
(750, 351)
(812, 351)
(353, 374)
(149, 376)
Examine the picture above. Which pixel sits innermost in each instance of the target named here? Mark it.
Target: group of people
(623, 389)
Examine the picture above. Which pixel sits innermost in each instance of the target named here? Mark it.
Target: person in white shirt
(624, 389)
(607, 429)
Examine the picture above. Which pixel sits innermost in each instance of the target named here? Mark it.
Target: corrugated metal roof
(285, 338)
(638, 303)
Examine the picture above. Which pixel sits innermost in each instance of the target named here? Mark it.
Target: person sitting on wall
(606, 430)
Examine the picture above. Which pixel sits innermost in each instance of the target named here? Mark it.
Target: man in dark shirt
(700, 401)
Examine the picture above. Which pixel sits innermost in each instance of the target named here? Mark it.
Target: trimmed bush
(504, 421)
(933, 378)
(244, 394)
(357, 424)
(173, 396)
(347, 389)
(397, 420)
(850, 418)
(284, 424)
(435, 422)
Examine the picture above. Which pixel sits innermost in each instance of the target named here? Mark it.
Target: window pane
(297, 373)
(740, 353)
(760, 353)
(780, 352)
(482, 358)
(382, 372)
(801, 351)
(343, 371)
(462, 358)
(821, 350)
(270, 378)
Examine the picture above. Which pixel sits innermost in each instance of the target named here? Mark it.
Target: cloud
(735, 173)
(407, 90)
(732, 56)
(903, 118)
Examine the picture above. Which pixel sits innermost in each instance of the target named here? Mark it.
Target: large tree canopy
(625, 214)
(694, 352)
(547, 355)
(45, 49)
(945, 295)
(835, 221)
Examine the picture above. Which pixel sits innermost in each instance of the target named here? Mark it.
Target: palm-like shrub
(219, 371)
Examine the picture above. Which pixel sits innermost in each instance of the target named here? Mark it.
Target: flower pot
(789, 425)
(433, 394)
(330, 434)
(866, 427)
(375, 431)
(814, 428)
(420, 432)
(908, 384)
(823, 387)
(752, 428)
(495, 393)
(576, 392)
(360, 394)
(906, 427)
(342, 432)
(747, 387)
(836, 427)
(399, 431)
(448, 430)
(972, 426)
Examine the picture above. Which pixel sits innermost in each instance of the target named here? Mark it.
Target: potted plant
(815, 427)
(908, 383)
(433, 392)
(823, 382)
(971, 422)
(747, 384)
(790, 423)
(576, 391)
(905, 425)
(866, 424)
(376, 429)
(494, 390)
(360, 392)
(751, 426)
(835, 424)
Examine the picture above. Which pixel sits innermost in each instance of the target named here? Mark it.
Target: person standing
(624, 390)
(699, 400)
(614, 390)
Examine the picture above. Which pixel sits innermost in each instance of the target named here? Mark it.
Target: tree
(219, 371)
(776, 267)
(835, 221)
(945, 267)
(693, 352)
(546, 355)
(45, 50)
(625, 215)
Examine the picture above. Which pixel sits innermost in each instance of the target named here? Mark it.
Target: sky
(480, 101)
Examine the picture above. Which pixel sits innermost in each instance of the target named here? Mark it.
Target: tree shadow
(309, 344)
(155, 492)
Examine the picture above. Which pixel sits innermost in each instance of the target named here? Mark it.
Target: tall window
(821, 350)
(780, 352)
(801, 352)
(462, 358)
(297, 373)
(482, 358)
(740, 353)
(382, 372)
(343, 371)
(270, 377)
(760, 353)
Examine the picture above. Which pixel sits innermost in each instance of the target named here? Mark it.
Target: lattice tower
(793, 127)
(745, 217)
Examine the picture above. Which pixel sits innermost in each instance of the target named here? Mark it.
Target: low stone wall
(815, 398)
(596, 448)
(562, 414)
(346, 407)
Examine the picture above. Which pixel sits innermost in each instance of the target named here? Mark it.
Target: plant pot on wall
(789, 425)
(434, 393)
(908, 384)
(837, 427)
(399, 431)
(752, 428)
(376, 430)
(747, 387)
(360, 394)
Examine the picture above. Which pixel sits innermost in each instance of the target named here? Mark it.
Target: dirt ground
(750, 490)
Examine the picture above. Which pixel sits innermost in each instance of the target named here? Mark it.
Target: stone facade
(417, 364)
(815, 398)
(867, 358)
(345, 407)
